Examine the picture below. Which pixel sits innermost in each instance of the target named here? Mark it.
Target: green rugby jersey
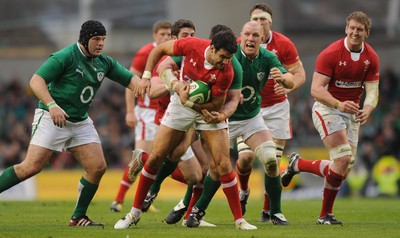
(255, 75)
(73, 79)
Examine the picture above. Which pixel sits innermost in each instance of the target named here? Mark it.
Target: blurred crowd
(380, 137)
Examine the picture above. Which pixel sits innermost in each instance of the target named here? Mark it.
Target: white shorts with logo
(246, 128)
(182, 118)
(328, 120)
(277, 119)
(47, 135)
(146, 128)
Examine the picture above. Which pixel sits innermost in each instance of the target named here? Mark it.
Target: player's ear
(212, 49)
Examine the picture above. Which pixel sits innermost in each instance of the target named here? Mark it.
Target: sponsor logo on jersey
(193, 62)
(342, 63)
(343, 84)
(79, 72)
(187, 79)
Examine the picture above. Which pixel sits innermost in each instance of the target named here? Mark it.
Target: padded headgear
(88, 30)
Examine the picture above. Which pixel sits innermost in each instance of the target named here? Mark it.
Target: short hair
(161, 24)
(360, 17)
(217, 28)
(262, 6)
(179, 24)
(225, 40)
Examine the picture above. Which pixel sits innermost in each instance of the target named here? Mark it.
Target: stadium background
(31, 30)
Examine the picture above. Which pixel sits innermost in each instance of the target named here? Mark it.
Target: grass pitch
(49, 219)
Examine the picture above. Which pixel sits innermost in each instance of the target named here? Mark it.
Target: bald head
(251, 38)
(253, 25)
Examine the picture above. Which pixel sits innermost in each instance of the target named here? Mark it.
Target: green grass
(49, 219)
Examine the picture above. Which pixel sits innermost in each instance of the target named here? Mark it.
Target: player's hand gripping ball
(199, 92)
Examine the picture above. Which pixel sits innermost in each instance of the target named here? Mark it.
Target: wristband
(146, 74)
(188, 104)
(51, 104)
(336, 104)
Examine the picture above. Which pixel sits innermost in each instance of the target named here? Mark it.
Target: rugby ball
(199, 92)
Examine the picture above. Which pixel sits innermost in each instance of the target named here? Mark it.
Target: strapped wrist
(188, 104)
(146, 74)
(336, 104)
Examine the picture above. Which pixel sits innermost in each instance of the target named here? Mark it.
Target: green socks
(86, 193)
(164, 171)
(274, 190)
(8, 179)
(188, 195)
(210, 188)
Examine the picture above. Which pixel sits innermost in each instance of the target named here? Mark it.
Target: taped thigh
(188, 154)
(340, 151)
(242, 147)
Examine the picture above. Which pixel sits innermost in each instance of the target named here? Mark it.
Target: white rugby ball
(199, 92)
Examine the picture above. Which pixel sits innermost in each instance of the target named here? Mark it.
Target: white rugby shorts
(277, 119)
(145, 129)
(328, 120)
(182, 118)
(47, 135)
(246, 128)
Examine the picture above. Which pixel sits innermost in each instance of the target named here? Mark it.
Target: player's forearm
(214, 105)
(157, 91)
(129, 100)
(231, 103)
(322, 95)
(157, 53)
(372, 94)
(299, 78)
(287, 81)
(154, 56)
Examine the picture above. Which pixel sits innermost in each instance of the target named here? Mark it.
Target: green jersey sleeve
(238, 77)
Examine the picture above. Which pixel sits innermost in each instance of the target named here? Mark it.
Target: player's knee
(266, 152)
(100, 170)
(193, 178)
(245, 162)
(224, 167)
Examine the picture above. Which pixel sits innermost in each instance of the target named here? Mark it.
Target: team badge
(100, 76)
(260, 76)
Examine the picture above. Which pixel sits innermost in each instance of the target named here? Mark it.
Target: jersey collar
(268, 40)
(354, 55)
(207, 64)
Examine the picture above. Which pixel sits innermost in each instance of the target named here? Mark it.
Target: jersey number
(87, 90)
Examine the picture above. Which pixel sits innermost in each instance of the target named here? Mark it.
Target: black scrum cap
(88, 30)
